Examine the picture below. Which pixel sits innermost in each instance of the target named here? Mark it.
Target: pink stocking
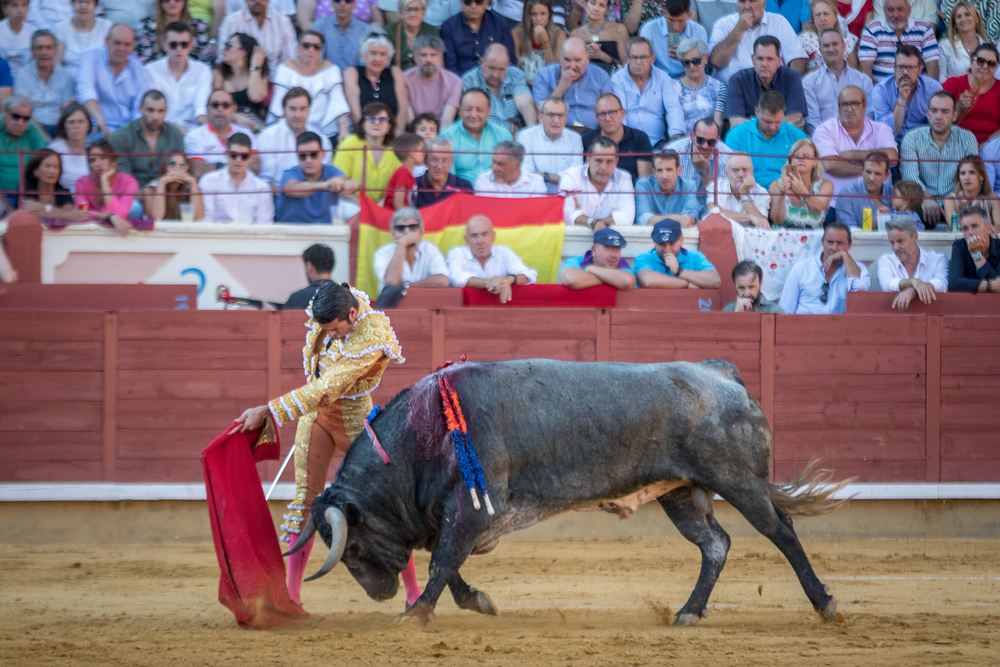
(296, 568)
(410, 582)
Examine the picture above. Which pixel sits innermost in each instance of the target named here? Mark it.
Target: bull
(554, 437)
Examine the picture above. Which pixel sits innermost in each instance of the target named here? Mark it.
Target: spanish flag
(532, 227)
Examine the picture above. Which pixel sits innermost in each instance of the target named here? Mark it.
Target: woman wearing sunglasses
(978, 94)
(701, 95)
(321, 78)
(106, 193)
(174, 186)
(148, 41)
(372, 168)
(244, 74)
(377, 81)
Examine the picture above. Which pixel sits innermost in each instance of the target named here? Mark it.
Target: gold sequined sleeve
(324, 390)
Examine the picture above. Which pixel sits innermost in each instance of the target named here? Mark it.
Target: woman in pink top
(107, 194)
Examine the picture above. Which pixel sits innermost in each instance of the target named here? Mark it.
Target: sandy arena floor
(561, 602)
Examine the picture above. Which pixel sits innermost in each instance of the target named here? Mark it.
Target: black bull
(554, 437)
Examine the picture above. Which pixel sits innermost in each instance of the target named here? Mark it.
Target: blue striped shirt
(117, 96)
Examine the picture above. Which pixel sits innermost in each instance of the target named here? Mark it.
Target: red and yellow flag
(532, 227)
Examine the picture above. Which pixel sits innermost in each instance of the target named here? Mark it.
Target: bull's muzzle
(338, 540)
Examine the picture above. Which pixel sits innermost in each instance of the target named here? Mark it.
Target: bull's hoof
(687, 619)
(829, 612)
(416, 616)
(480, 603)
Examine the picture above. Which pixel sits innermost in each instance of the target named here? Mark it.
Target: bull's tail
(810, 493)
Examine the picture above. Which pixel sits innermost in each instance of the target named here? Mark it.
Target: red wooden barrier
(16, 296)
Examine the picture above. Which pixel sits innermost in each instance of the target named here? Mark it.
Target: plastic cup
(187, 212)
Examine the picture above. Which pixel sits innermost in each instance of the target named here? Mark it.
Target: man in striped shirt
(272, 30)
(880, 39)
(111, 82)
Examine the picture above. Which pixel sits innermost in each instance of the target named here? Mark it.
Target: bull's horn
(338, 540)
(308, 530)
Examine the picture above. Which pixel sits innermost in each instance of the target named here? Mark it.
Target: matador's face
(338, 329)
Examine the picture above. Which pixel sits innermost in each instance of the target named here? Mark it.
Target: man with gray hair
(549, 148)
(483, 265)
(49, 86)
(408, 260)
(430, 88)
(506, 178)
(510, 98)
(438, 183)
(909, 269)
(110, 82)
(16, 134)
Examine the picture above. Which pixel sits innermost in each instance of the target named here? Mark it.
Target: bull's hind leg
(690, 508)
(753, 501)
(467, 597)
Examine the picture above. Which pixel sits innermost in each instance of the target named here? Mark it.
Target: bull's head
(368, 551)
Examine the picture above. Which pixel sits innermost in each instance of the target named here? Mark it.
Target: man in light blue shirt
(574, 80)
(311, 190)
(766, 134)
(672, 266)
(908, 86)
(667, 31)
(822, 86)
(473, 137)
(111, 81)
(664, 195)
(601, 265)
(648, 95)
(819, 285)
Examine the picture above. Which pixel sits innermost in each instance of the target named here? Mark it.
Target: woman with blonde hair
(972, 186)
(801, 197)
(965, 33)
(825, 17)
(537, 40)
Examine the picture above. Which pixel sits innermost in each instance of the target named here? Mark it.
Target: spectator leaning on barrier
(741, 198)
(766, 135)
(666, 31)
(669, 265)
(601, 265)
(43, 196)
(648, 95)
(439, 183)
(319, 262)
(473, 136)
(873, 191)
(823, 86)
(901, 101)
(511, 104)
(234, 193)
(311, 189)
(909, 269)
(173, 186)
(467, 34)
(881, 38)
(184, 81)
(767, 74)
(366, 156)
(430, 88)
(634, 147)
(972, 187)
(664, 195)
(16, 134)
(931, 154)
(550, 148)
(748, 277)
(702, 154)
(819, 285)
(206, 145)
(975, 259)
(483, 265)
(574, 80)
(507, 177)
(105, 192)
(733, 35)
(408, 260)
(598, 194)
(111, 82)
(277, 142)
(143, 144)
(49, 86)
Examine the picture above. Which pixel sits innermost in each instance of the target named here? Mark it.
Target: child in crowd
(409, 149)
(425, 125)
(15, 34)
(907, 196)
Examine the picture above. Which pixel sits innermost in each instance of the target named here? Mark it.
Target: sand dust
(566, 602)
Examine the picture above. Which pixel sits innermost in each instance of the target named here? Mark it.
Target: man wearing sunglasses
(702, 156)
(206, 144)
(819, 285)
(277, 142)
(16, 134)
(235, 194)
(185, 82)
(408, 260)
(467, 34)
(311, 189)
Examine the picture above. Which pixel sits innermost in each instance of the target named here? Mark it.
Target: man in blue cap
(671, 266)
(601, 265)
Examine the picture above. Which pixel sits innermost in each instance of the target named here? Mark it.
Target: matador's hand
(251, 419)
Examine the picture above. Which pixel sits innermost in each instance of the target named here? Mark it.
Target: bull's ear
(352, 514)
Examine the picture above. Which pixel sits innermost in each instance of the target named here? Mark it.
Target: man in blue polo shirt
(312, 188)
(601, 265)
(766, 134)
(672, 266)
(767, 73)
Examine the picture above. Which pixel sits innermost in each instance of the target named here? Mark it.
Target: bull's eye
(353, 550)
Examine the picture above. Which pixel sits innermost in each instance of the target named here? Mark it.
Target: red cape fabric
(545, 296)
(252, 584)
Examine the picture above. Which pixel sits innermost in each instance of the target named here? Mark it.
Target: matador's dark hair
(333, 302)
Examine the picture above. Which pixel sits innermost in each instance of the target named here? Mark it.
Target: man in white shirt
(186, 83)
(483, 265)
(740, 198)
(731, 46)
(276, 142)
(507, 177)
(909, 269)
(823, 85)
(819, 285)
(549, 148)
(409, 261)
(206, 145)
(598, 194)
(234, 193)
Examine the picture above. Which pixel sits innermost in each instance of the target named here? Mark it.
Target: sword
(288, 458)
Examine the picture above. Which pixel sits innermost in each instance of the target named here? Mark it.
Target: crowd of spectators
(796, 114)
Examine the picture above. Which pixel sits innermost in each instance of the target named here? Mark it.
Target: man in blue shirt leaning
(601, 265)
(672, 266)
(819, 285)
(312, 188)
(766, 134)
